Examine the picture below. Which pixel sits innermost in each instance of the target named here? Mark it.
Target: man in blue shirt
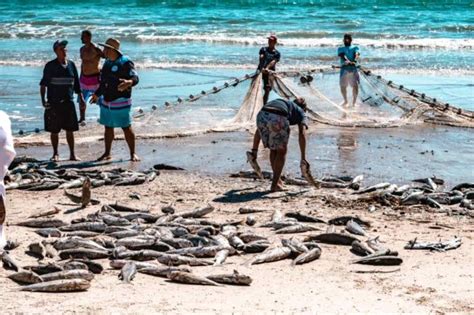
(349, 56)
(268, 58)
(273, 128)
(60, 81)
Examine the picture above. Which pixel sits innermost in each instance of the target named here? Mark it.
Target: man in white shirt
(7, 153)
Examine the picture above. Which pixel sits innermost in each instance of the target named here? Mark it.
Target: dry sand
(427, 282)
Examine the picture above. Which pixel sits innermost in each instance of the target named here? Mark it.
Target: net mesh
(235, 104)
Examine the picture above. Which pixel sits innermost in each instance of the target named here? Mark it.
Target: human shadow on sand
(249, 194)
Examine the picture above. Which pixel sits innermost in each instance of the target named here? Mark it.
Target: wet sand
(427, 282)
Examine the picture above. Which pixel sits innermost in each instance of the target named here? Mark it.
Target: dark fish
(25, 277)
(256, 246)
(42, 223)
(344, 219)
(332, 238)
(463, 186)
(198, 213)
(250, 237)
(83, 253)
(85, 226)
(92, 266)
(162, 272)
(68, 274)
(380, 261)
(308, 256)
(44, 186)
(128, 272)
(48, 232)
(8, 262)
(250, 210)
(189, 278)
(233, 279)
(123, 208)
(167, 167)
(69, 285)
(296, 246)
(176, 260)
(74, 265)
(303, 217)
(42, 269)
(11, 245)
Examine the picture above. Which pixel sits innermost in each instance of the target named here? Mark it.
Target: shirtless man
(90, 71)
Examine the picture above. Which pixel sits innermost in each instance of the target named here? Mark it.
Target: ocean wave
(390, 43)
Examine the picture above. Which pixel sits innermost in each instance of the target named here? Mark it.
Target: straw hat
(112, 43)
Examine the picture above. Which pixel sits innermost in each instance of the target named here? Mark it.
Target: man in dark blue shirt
(273, 128)
(269, 56)
(60, 81)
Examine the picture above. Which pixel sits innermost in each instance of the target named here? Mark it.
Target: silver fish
(128, 272)
(252, 160)
(25, 277)
(221, 256)
(68, 274)
(272, 255)
(354, 228)
(69, 285)
(308, 256)
(189, 278)
(234, 278)
(306, 172)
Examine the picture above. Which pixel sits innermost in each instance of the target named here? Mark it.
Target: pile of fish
(32, 175)
(168, 245)
(423, 191)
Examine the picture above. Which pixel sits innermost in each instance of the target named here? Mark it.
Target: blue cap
(59, 43)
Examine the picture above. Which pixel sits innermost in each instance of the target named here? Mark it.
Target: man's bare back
(90, 56)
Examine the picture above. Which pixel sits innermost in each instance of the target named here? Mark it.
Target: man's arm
(77, 88)
(43, 83)
(132, 78)
(302, 140)
(43, 95)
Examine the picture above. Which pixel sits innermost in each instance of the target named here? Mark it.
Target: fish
(296, 228)
(46, 213)
(374, 244)
(332, 238)
(361, 249)
(304, 218)
(74, 265)
(307, 257)
(296, 246)
(221, 256)
(72, 184)
(83, 234)
(83, 253)
(354, 228)
(68, 285)
(124, 208)
(48, 232)
(463, 186)
(92, 266)
(112, 220)
(198, 213)
(372, 188)
(42, 269)
(306, 172)
(177, 242)
(256, 246)
(176, 260)
(124, 234)
(11, 245)
(244, 210)
(271, 255)
(234, 278)
(130, 181)
(236, 242)
(140, 255)
(136, 242)
(250, 237)
(167, 167)
(380, 261)
(119, 263)
(8, 262)
(252, 160)
(355, 183)
(436, 246)
(44, 186)
(162, 272)
(147, 217)
(85, 226)
(189, 278)
(68, 274)
(42, 223)
(76, 242)
(128, 272)
(344, 219)
(25, 277)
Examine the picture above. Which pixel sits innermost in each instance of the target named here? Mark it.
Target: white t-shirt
(7, 151)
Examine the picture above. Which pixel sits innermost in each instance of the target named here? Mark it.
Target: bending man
(269, 56)
(273, 128)
(117, 78)
(7, 153)
(349, 56)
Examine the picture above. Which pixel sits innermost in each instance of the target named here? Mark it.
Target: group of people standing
(109, 87)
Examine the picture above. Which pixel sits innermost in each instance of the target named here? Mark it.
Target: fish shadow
(72, 210)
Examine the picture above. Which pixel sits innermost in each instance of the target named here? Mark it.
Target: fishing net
(235, 104)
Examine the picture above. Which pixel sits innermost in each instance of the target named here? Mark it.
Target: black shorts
(61, 116)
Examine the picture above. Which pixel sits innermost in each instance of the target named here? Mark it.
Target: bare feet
(105, 157)
(74, 158)
(277, 188)
(55, 158)
(134, 158)
(344, 104)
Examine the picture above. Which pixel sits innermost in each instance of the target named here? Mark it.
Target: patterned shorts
(349, 77)
(274, 130)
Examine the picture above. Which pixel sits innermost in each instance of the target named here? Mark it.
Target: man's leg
(355, 93)
(108, 139)
(54, 143)
(344, 94)
(256, 141)
(278, 164)
(70, 143)
(266, 94)
(130, 138)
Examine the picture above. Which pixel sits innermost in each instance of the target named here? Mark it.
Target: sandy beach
(426, 282)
